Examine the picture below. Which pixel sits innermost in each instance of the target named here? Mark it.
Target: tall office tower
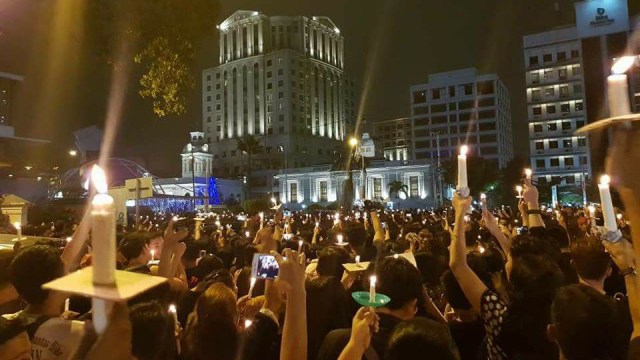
(566, 71)
(280, 79)
(462, 107)
(8, 91)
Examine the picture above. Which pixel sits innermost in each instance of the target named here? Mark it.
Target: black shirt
(469, 338)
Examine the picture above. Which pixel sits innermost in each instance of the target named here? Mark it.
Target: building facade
(280, 79)
(320, 185)
(8, 91)
(565, 73)
(393, 138)
(461, 107)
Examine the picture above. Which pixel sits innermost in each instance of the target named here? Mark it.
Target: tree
(162, 36)
(248, 145)
(396, 187)
(481, 173)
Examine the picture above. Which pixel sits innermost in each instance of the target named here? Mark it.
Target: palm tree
(248, 145)
(397, 187)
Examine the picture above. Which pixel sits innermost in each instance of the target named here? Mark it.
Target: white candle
(607, 204)
(103, 234)
(247, 323)
(247, 234)
(372, 288)
(519, 190)
(358, 260)
(153, 254)
(261, 220)
(66, 305)
(317, 224)
(462, 167)
(483, 196)
(273, 200)
(617, 87)
(18, 227)
(339, 238)
(528, 173)
(174, 313)
(251, 285)
(300, 242)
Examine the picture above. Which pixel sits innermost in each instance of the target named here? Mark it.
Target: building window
(575, 54)
(568, 161)
(577, 89)
(540, 164)
(413, 186)
(468, 89)
(537, 110)
(566, 125)
(533, 60)
(323, 191)
(269, 62)
(547, 58)
(550, 91)
(561, 56)
(565, 108)
(552, 127)
(435, 94)
(539, 145)
(269, 74)
(567, 143)
(579, 106)
(564, 91)
(553, 144)
(535, 95)
(554, 162)
(537, 128)
(579, 124)
(535, 77)
(551, 109)
(582, 141)
(377, 188)
(562, 74)
(419, 97)
(293, 192)
(452, 91)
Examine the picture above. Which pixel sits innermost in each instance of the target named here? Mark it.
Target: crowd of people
(464, 282)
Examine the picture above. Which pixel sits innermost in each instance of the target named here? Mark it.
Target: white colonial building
(321, 185)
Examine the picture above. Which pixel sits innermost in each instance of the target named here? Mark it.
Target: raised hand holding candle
(462, 168)
(608, 214)
(174, 314)
(372, 288)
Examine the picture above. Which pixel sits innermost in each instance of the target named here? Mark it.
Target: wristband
(629, 271)
(534, 211)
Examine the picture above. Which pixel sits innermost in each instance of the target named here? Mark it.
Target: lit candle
(317, 224)
(251, 285)
(153, 254)
(103, 235)
(174, 313)
(247, 234)
(372, 288)
(261, 220)
(66, 305)
(217, 223)
(300, 242)
(619, 216)
(68, 239)
(339, 238)
(18, 227)
(617, 87)
(462, 167)
(273, 200)
(395, 256)
(519, 190)
(527, 173)
(247, 323)
(483, 196)
(358, 260)
(607, 205)
(175, 218)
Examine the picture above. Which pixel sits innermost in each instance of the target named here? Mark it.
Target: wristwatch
(628, 271)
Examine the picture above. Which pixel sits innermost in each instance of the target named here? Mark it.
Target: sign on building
(601, 17)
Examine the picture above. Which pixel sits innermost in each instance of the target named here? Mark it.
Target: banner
(601, 17)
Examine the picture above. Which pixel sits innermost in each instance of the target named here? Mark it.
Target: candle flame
(483, 196)
(17, 225)
(622, 64)
(619, 216)
(172, 309)
(592, 209)
(528, 172)
(518, 188)
(464, 149)
(247, 323)
(99, 179)
(605, 179)
(299, 242)
(372, 280)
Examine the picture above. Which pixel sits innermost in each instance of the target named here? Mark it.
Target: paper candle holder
(605, 123)
(128, 284)
(362, 298)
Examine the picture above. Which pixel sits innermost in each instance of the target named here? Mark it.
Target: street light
(353, 142)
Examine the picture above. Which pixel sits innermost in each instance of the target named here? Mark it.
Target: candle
(483, 196)
(66, 305)
(519, 190)
(153, 254)
(617, 87)
(261, 220)
(607, 205)
(247, 323)
(300, 242)
(18, 227)
(273, 200)
(372, 288)
(175, 218)
(68, 239)
(174, 313)
(358, 260)
(103, 235)
(619, 216)
(339, 237)
(462, 167)
(247, 234)
(527, 173)
(317, 224)
(251, 285)
(395, 256)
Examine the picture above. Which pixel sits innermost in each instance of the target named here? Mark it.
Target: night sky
(401, 41)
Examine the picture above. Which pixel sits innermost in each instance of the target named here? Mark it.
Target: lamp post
(353, 142)
(283, 150)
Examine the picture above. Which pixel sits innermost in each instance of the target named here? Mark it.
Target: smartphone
(264, 266)
(286, 213)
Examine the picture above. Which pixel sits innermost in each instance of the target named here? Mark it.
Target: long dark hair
(533, 283)
(211, 331)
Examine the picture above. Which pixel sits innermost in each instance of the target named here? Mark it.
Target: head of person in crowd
(402, 282)
(33, 267)
(356, 235)
(327, 309)
(583, 224)
(7, 291)
(529, 244)
(431, 268)
(191, 254)
(558, 236)
(420, 336)
(212, 331)
(591, 261)
(584, 324)
(330, 261)
(153, 333)
(135, 249)
(207, 265)
(14, 341)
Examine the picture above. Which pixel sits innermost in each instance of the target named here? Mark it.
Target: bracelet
(629, 271)
(534, 211)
